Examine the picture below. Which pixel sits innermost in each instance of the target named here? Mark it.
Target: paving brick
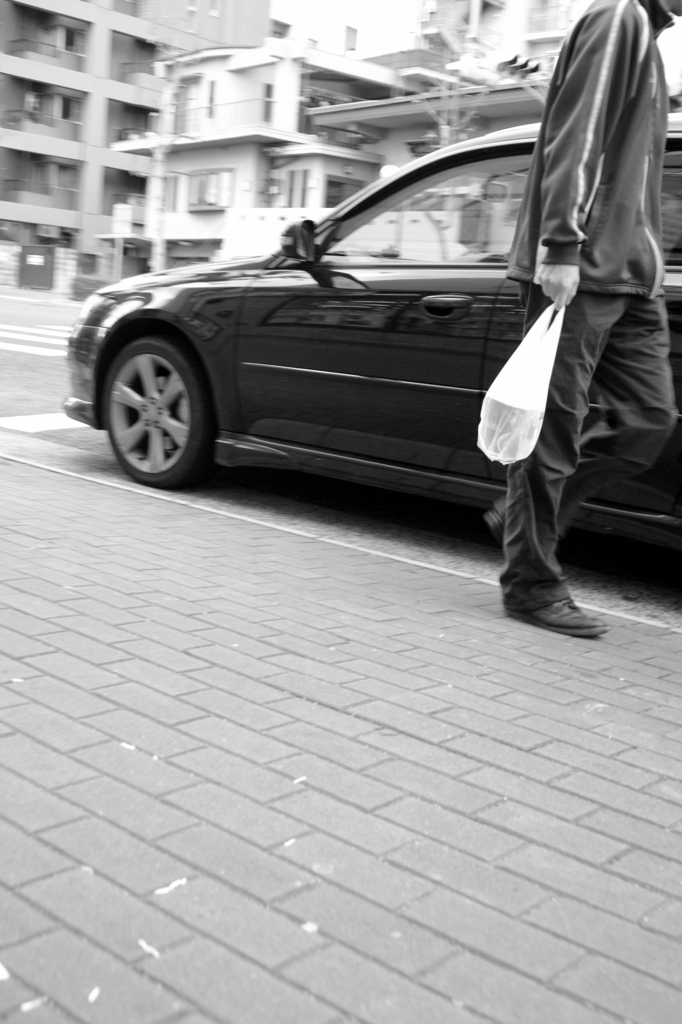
(15, 645)
(220, 679)
(247, 743)
(235, 773)
(367, 928)
(157, 654)
(40, 764)
(144, 733)
(327, 814)
(489, 751)
(85, 647)
(506, 732)
(301, 710)
(67, 968)
(136, 767)
(371, 992)
(495, 935)
(651, 870)
(30, 806)
(636, 832)
(25, 857)
(96, 630)
(413, 700)
(29, 625)
(213, 978)
(50, 727)
(70, 700)
(584, 882)
(546, 830)
(504, 995)
(74, 670)
(236, 920)
(468, 875)
(423, 727)
(102, 612)
(36, 606)
(119, 856)
(620, 798)
(622, 991)
(655, 762)
(435, 786)
(535, 794)
(460, 831)
(463, 698)
(355, 870)
(308, 737)
(122, 805)
(351, 786)
(331, 694)
(12, 994)
(667, 919)
(264, 826)
(148, 701)
(162, 679)
(19, 919)
(611, 936)
(104, 912)
(237, 710)
(236, 861)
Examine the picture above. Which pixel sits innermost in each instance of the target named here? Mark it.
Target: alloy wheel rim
(149, 413)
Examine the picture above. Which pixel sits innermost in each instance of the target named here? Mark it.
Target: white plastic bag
(514, 407)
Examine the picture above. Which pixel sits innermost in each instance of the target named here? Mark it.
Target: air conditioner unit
(48, 231)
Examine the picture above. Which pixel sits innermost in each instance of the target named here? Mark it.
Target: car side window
(462, 215)
(671, 209)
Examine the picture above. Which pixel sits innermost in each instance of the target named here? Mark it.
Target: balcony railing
(136, 67)
(17, 47)
(548, 19)
(62, 198)
(127, 134)
(137, 202)
(37, 121)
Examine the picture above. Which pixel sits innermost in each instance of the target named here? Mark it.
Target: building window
(351, 38)
(191, 17)
(297, 188)
(211, 99)
(268, 102)
(214, 8)
(279, 29)
(71, 108)
(73, 40)
(187, 107)
(210, 190)
(548, 16)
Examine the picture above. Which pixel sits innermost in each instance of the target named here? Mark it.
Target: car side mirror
(298, 241)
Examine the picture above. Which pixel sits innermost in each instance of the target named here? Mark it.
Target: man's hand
(559, 282)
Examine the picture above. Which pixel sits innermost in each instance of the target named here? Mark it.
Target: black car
(361, 350)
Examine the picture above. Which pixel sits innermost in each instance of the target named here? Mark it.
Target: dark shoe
(495, 523)
(561, 617)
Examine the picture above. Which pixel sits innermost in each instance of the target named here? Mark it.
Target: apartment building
(78, 76)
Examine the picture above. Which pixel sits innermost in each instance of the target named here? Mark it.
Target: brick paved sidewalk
(250, 777)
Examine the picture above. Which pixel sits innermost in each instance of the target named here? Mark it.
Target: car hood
(199, 272)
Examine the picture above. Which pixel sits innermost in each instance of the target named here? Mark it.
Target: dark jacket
(593, 191)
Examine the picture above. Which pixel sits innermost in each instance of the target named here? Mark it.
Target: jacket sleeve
(596, 75)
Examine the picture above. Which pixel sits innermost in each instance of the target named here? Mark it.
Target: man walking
(589, 238)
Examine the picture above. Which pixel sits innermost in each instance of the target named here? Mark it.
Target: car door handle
(447, 307)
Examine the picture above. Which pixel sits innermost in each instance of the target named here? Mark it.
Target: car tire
(159, 414)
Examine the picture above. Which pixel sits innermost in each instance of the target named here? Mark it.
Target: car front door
(376, 350)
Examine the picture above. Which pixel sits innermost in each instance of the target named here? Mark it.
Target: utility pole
(156, 192)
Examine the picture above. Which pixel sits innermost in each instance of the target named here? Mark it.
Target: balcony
(127, 7)
(139, 73)
(137, 202)
(37, 193)
(130, 134)
(42, 124)
(552, 19)
(46, 53)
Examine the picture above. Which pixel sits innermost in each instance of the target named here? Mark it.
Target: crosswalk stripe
(15, 336)
(62, 331)
(39, 422)
(30, 350)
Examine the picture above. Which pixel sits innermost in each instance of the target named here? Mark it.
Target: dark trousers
(622, 343)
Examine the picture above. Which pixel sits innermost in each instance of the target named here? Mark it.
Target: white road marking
(44, 339)
(41, 421)
(29, 350)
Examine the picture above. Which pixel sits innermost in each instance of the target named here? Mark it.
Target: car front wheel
(159, 414)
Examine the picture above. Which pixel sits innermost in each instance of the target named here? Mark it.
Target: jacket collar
(660, 18)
